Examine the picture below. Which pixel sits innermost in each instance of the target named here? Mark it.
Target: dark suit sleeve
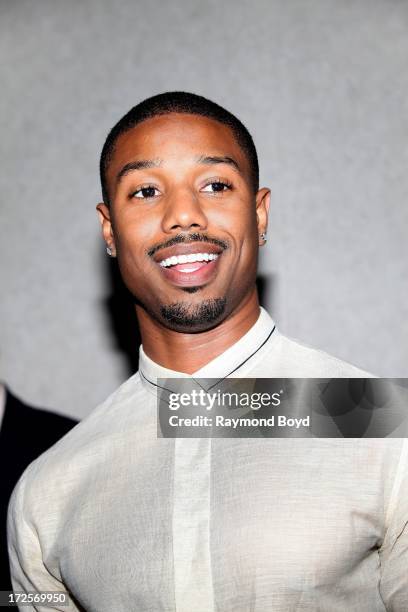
(25, 434)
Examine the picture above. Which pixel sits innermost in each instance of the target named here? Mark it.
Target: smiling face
(184, 221)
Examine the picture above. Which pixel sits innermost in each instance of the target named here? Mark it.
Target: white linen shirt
(125, 521)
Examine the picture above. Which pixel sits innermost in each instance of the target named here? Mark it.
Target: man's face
(184, 221)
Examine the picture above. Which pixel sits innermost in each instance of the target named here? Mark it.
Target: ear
(262, 199)
(106, 223)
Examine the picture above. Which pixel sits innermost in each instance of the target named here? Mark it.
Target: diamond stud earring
(109, 251)
(263, 236)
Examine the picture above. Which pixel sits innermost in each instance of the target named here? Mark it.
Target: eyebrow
(143, 164)
(219, 159)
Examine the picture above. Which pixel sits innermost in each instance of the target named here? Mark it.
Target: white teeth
(191, 258)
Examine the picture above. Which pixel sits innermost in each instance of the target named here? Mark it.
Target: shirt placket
(193, 584)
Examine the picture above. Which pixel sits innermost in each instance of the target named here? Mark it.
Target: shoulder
(60, 470)
(300, 360)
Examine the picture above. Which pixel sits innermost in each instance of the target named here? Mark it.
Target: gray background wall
(321, 84)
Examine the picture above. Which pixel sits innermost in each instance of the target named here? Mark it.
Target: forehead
(176, 136)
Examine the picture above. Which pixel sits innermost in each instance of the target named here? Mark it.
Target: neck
(188, 353)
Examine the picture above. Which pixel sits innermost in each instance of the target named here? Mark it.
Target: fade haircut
(179, 102)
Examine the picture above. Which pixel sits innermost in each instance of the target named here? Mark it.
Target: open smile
(190, 265)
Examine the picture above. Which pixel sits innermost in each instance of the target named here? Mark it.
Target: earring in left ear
(263, 236)
(109, 251)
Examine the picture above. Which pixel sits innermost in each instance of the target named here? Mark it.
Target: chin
(190, 317)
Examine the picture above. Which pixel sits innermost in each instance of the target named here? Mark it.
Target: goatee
(189, 316)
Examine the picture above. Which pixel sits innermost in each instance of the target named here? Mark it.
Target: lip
(202, 276)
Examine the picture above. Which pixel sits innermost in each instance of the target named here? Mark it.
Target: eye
(145, 192)
(216, 186)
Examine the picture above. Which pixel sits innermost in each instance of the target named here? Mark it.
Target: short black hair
(179, 102)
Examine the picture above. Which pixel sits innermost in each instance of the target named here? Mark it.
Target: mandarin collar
(237, 359)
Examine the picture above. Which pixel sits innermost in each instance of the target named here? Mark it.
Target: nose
(183, 212)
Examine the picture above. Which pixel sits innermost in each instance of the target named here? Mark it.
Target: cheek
(134, 235)
(237, 218)
(239, 225)
(132, 240)
(246, 235)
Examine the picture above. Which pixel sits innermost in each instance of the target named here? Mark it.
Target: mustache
(185, 239)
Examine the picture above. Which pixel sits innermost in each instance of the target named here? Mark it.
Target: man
(25, 433)
(123, 520)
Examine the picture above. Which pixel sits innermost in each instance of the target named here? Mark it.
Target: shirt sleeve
(394, 551)
(28, 572)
